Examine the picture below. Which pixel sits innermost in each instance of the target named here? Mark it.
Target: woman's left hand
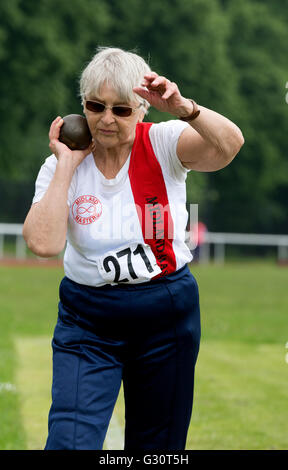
(164, 95)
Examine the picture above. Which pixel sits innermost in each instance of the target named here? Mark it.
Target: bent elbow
(240, 141)
(41, 249)
(234, 147)
(43, 252)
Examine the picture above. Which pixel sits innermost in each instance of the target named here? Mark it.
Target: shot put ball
(75, 132)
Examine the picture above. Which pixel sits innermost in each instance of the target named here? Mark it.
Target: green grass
(28, 307)
(241, 375)
(240, 397)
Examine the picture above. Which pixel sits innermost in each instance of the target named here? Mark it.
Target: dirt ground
(31, 262)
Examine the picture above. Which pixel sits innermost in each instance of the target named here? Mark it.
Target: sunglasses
(121, 111)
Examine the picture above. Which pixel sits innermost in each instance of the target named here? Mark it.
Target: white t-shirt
(105, 240)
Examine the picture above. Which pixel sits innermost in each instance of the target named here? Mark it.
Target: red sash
(151, 199)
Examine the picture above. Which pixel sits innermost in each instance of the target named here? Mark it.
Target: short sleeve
(44, 178)
(164, 138)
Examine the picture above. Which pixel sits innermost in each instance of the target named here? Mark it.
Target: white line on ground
(34, 383)
(7, 387)
(114, 437)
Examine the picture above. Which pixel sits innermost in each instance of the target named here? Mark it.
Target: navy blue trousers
(147, 336)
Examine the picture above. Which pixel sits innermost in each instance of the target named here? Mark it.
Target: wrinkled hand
(61, 150)
(164, 95)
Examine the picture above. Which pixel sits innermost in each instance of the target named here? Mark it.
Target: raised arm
(45, 226)
(210, 142)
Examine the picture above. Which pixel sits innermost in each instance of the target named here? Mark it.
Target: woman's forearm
(45, 226)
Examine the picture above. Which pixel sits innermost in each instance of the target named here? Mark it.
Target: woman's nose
(108, 116)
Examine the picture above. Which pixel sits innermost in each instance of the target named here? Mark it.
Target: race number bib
(132, 264)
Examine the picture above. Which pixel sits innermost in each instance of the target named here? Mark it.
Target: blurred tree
(228, 56)
(43, 45)
(250, 192)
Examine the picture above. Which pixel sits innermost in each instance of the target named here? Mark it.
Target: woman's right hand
(60, 150)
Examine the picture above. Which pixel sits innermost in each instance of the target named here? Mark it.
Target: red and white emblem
(86, 209)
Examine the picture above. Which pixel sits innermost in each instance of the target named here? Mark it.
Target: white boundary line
(114, 437)
(33, 383)
(7, 387)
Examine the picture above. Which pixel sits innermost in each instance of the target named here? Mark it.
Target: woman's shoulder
(168, 126)
(50, 161)
(164, 135)
(164, 138)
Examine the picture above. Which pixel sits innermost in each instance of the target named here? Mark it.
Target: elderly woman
(129, 306)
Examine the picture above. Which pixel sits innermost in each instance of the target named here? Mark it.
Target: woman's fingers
(55, 128)
(160, 92)
(170, 90)
(160, 84)
(150, 76)
(152, 80)
(55, 145)
(155, 82)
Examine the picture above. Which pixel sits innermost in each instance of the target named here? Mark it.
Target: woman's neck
(110, 160)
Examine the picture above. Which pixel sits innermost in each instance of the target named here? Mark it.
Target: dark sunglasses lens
(123, 111)
(95, 107)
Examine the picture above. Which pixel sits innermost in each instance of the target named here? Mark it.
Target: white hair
(123, 70)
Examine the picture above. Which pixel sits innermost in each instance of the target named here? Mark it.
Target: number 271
(126, 252)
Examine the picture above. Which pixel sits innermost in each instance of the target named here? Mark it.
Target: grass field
(241, 376)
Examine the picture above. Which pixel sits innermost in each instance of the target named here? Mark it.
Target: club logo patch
(86, 209)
